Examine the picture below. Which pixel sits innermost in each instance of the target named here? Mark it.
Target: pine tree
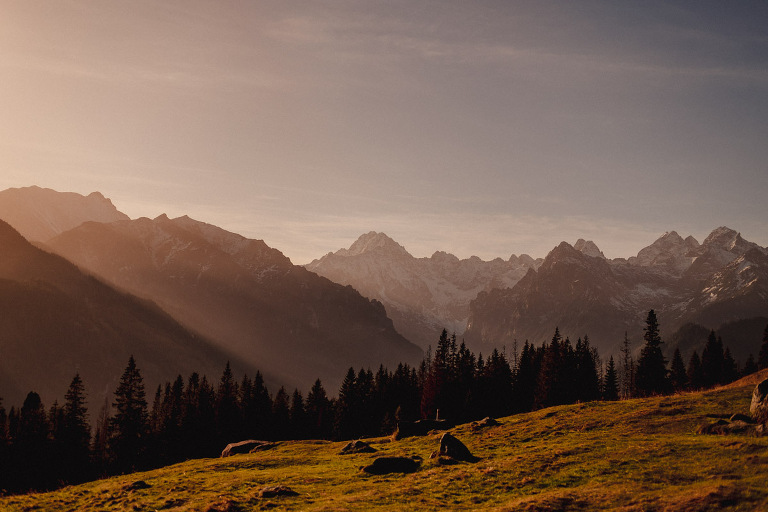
(281, 415)
(678, 374)
(762, 358)
(319, 412)
(298, 416)
(628, 370)
(76, 431)
(31, 443)
(227, 408)
(695, 377)
(129, 428)
(750, 366)
(651, 377)
(346, 407)
(730, 368)
(611, 384)
(712, 358)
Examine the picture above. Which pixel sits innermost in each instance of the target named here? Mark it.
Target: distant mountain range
(720, 281)
(182, 295)
(422, 295)
(248, 300)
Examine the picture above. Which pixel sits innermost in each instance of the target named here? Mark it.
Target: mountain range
(723, 280)
(183, 295)
(242, 300)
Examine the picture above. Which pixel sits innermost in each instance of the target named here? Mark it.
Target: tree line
(44, 448)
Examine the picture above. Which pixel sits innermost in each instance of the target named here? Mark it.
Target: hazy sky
(474, 127)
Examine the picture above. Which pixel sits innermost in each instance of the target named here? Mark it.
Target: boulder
(384, 465)
(483, 423)
(419, 428)
(759, 406)
(249, 446)
(455, 449)
(135, 486)
(274, 491)
(741, 417)
(357, 447)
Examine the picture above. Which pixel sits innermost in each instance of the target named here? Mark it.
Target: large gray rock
(759, 406)
(249, 446)
(454, 449)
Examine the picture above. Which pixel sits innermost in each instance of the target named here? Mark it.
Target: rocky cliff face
(722, 280)
(422, 295)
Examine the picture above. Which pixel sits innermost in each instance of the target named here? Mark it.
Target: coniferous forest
(43, 448)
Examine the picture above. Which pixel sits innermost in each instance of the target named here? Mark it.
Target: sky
(484, 128)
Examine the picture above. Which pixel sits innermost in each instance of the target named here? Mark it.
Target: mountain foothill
(83, 287)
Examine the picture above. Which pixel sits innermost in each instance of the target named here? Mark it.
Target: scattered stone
(722, 427)
(357, 447)
(446, 461)
(483, 423)
(223, 505)
(419, 428)
(454, 449)
(274, 491)
(741, 417)
(135, 486)
(759, 406)
(249, 446)
(384, 465)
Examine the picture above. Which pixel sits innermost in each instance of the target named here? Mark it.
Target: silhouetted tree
(750, 366)
(319, 412)
(281, 415)
(76, 432)
(651, 376)
(298, 416)
(129, 428)
(730, 368)
(695, 377)
(712, 361)
(762, 358)
(627, 369)
(227, 408)
(611, 384)
(678, 374)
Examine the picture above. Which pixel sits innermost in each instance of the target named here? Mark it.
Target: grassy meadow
(633, 455)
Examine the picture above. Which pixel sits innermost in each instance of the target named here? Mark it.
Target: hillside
(57, 321)
(641, 454)
(245, 296)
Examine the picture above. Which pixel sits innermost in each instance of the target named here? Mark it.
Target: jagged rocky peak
(589, 248)
(729, 240)
(669, 250)
(444, 257)
(373, 241)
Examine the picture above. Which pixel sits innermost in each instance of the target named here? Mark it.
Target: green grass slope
(641, 455)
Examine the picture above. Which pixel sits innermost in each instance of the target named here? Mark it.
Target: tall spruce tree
(678, 374)
(319, 412)
(694, 373)
(762, 358)
(129, 428)
(712, 359)
(651, 377)
(76, 431)
(611, 384)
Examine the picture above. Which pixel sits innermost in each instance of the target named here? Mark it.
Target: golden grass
(634, 455)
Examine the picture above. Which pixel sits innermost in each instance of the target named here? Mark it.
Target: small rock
(384, 465)
(741, 417)
(138, 484)
(274, 491)
(357, 447)
(483, 423)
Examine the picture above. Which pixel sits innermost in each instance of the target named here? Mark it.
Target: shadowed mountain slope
(56, 321)
(250, 299)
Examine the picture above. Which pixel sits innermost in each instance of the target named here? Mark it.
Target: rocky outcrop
(759, 406)
(248, 446)
(453, 449)
(357, 446)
